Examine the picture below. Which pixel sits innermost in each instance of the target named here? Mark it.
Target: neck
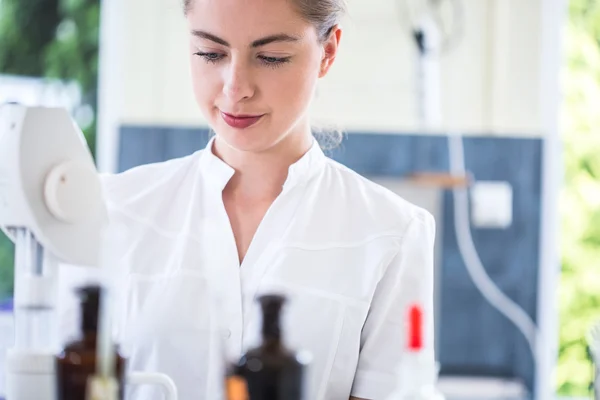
(261, 175)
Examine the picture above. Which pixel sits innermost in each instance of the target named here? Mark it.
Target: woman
(262, 209)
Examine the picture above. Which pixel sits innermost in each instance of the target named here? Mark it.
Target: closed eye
(213, 58)
(210, 57)
(274, 61)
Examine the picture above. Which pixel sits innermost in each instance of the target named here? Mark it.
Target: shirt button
(227, 333)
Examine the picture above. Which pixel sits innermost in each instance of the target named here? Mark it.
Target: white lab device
(52, 208)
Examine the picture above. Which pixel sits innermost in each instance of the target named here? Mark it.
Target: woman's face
(255, 66)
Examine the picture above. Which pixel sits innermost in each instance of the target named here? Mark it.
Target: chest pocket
(328, 293)
(167, 328)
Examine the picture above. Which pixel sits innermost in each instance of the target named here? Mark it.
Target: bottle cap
(415, 328)
(272, 302)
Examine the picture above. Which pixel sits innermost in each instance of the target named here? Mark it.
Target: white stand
(30, 376)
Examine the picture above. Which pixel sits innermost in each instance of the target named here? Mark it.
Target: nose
(238, 84)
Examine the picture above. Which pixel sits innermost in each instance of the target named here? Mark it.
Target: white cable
(482, 281)
(475, 268)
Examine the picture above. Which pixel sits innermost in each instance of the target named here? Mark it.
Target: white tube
(428, 97)
(106, 351)
(475, 268)
(109, 264)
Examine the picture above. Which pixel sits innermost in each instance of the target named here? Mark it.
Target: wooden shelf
(439, 179)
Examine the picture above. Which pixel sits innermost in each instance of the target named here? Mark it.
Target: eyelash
(271, 62)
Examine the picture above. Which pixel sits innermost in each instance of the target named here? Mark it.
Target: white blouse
(349, 255)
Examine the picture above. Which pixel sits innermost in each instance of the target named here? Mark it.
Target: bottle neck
(271, 331)
(271, 327)
(89, 318)
(89, 325)
(272, 343)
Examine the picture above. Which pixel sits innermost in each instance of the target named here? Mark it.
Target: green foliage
(6, 270)
(25, 31)
(580, 282)
(51, 39)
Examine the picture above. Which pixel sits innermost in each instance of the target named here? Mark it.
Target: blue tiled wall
(475, 339)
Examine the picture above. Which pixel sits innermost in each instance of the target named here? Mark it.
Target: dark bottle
(270, 371)
(77, 362)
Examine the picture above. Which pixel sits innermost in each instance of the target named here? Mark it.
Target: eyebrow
(280, 37)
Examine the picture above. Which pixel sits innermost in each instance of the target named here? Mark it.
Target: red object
(240, 121)
(415, 328)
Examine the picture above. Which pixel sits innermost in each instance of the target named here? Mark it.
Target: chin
(253, 139)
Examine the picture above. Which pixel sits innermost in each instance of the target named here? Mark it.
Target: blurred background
(519, 80)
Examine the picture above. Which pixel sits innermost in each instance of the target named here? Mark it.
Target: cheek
(298, 85)
(206, 81)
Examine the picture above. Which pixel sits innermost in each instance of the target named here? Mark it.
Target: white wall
(157, 88)
(491, 84)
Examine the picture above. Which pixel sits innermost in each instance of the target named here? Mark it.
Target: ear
(330, 49)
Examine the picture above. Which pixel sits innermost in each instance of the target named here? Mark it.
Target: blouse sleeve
(408, 279)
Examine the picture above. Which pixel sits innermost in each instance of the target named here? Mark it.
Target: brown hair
(323, 14)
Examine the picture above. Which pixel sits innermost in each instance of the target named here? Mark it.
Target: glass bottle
(419, 373)
(77, 363)
(270, 371)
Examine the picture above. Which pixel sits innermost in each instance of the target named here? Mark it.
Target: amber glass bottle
(77, 362)
(270, 371)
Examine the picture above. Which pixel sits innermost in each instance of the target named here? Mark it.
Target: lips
(240, 121)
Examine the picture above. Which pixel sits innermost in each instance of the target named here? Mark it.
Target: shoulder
(144, 183)
(378, 209)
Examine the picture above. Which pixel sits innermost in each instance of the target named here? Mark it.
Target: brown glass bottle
(77, 362)
(270, 371)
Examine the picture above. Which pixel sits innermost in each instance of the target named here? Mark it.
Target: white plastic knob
(72, 192)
